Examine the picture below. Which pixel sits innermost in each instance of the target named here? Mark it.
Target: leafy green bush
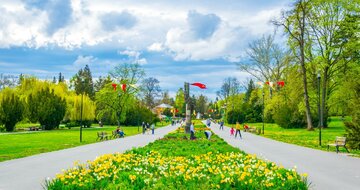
(234, 116)
(47, 108)
(11, 110)
(287, 117)
(353, 134)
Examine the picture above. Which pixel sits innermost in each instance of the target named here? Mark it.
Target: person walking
(232, 131)
(192, 131)
(238, 129)
(152, 128)
(221, 125)
(143, 127)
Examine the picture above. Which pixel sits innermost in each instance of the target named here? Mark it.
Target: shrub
(235, 115)
(47, 108)
(11, 109)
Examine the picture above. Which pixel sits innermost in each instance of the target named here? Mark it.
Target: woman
(238, 129)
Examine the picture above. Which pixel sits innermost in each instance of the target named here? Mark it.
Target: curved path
(31, 172)
(326, 170)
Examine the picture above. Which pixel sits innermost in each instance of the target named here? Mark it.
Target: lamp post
(263, 116)
(319, 108)
(81, 107)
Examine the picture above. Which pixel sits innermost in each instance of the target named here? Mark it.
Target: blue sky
(174, 41)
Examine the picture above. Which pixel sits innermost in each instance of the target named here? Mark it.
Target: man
(208, 134)
(192, 131)
(143, 127)
(221, 125)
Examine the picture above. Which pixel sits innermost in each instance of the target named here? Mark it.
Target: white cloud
(81, 61)
(156, 47)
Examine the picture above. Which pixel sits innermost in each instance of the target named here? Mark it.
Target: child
(232, 131)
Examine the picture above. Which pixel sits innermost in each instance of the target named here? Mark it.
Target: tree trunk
(324, 111)
(302, 62)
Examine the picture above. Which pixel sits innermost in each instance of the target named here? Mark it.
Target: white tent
(164, 106)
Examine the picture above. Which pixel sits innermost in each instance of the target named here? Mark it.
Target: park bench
(102, 136)
(339, 141)
(115, 134)
(251, 130)
(34, 128)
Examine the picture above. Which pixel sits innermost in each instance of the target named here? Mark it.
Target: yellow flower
(132, 177)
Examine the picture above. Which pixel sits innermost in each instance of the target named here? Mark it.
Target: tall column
(187, 112)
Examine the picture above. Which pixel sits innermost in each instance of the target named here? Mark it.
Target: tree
(295, 25)
(201, 104)
(7, 81)
(229, 89)
(180, 100)
(47, 108)
(61, 78)
(101, 82)
(83, 82)
(117, 100)
(150, 89)
(266, 60)
(166, 99)
(11, 109)
(249, 89)
(326, 26)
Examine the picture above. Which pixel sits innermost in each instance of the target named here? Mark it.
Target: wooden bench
(34, 128)
(252, 130)
(102, 136)
(115, 134)
(339, 141)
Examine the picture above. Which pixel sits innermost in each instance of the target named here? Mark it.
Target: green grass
(307, 138)
(21, 144)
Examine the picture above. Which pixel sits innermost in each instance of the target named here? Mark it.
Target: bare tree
(7, 81)
(150, 89)
(266, 60)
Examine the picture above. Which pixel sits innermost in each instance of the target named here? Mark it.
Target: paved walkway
(327, 170)
(31, 172)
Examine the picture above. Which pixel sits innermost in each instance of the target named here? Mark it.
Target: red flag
(281, 83)
(200, 85)
(114, 86)
(123, 87)
(267, 82)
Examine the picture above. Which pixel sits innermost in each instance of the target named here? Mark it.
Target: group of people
(146, 128)
(206, 132)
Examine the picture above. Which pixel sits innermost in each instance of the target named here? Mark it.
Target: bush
(286, 117)
(353, 134)
(11, 110)
(47, 108)
(234, 116)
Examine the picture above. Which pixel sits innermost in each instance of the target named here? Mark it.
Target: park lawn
(17, 145)
(307, 138)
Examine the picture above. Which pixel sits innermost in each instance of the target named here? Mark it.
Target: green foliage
(180, 101)
(135, 115)
(353, 134)
(11, 110)
(47, 108)
(234, 116)
(83, 82)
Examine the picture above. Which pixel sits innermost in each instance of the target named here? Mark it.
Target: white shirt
(192, 128)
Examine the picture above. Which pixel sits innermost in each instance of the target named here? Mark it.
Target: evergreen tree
(250, 88)
(83, 82)
(61, 78)
(101, 82)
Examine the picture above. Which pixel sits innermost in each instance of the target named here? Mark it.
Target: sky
(174, 41)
